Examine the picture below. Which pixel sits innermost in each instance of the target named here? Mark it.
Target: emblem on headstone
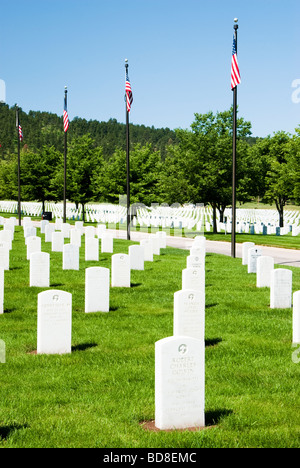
(55, 298)
(182, 349)
(191, 297)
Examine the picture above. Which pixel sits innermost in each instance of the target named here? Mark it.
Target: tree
(202, 162)
(37, 171)
(276, 176)
(84, 168)
(145, 166)
(294, 163)
(9, 180)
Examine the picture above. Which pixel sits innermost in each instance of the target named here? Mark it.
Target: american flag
(20, 133)
(129, 98)
(66, 118)
(235, 72)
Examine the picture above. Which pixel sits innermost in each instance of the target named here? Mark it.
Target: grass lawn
(99, 395)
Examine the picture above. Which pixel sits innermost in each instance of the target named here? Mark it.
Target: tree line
(45, 128)
(183, 166)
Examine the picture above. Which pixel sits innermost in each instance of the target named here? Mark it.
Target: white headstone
(79, 226)
(253, 254)
(65, 229)
(162, 239)
(39, 270)
(281, 289)
(179, 383)
(10, 223)
(4, 255)
(199, 241)
(264, 267)
(43, 225)
(54, 326)
(189, 313)
(34, 244)
(49, 229)
(97, 289)
(195, 261)
(120, 270)
(198, 246)
(70, 257)
(29, 231)
(57, 241)
(136, 255)
(75, 237)
(58, 224)
(107, 243)
(8, 226)
(245, 247)
(296, 317)
(198, 251)
(100, 230)
(155, 244)
(89, 231)
(1, 290)
(92, 249)
(26, 222)
(193, 278)
(6, 236)
(148, 250)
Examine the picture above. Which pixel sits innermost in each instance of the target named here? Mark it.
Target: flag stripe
(235, 72)
(66, 118)
(128, 91)
(20, 133)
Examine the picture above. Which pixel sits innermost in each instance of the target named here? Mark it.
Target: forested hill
(44, 128)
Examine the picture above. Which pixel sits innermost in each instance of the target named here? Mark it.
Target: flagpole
(65, 166)
(127, 161)
(19, 164)
(233, 226)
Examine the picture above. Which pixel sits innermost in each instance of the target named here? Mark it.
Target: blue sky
(179, 55)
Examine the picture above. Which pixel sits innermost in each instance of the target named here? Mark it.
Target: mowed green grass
(100, 394)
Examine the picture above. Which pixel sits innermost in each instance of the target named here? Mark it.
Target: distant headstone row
(279, 280)
(190, 217)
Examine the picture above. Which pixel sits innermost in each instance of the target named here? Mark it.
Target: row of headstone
(279, 280)
(180, 359)
(55, 307)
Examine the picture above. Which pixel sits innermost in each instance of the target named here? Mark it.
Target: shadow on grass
(9, 311)
(5, 431)
(212, 341)
(212, 418)
(208, 306)
(84, 346)
(135, 285)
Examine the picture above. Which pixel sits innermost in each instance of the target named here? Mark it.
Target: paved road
(286, 257)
